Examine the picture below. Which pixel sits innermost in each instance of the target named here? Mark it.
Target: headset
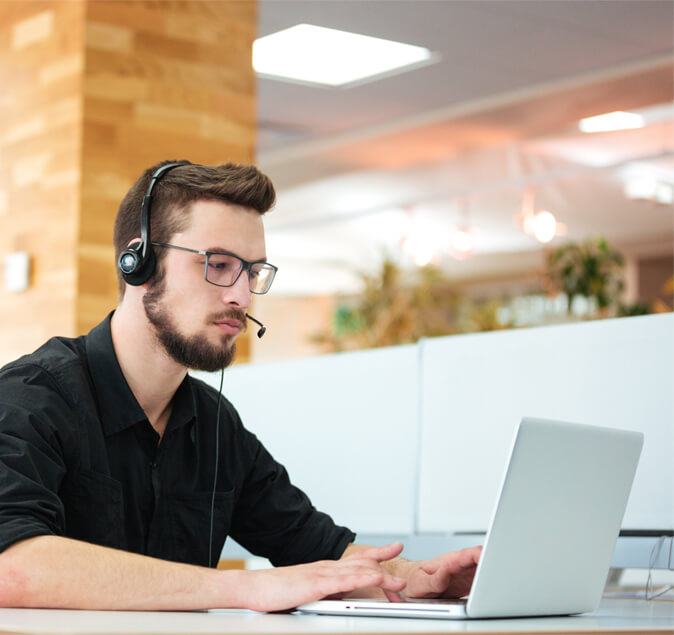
(137, 262)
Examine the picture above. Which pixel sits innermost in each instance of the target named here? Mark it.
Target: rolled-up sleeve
(32, 466)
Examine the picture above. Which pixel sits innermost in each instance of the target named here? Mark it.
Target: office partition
(476, 388)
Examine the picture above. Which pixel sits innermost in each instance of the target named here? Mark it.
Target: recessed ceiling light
(462, 243)
(611, 121)
(318, 55)
(545, 226)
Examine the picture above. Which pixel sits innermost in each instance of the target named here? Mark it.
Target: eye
(221, 263)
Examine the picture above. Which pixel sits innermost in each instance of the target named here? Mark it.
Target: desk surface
(613, 616)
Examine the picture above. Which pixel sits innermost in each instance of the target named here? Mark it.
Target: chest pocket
(189, 518)
(93, 507)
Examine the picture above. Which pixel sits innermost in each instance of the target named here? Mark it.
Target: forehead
(215, 224)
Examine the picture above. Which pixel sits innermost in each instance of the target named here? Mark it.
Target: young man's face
(197, 322)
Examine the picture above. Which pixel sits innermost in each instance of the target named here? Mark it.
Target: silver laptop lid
(556, 521)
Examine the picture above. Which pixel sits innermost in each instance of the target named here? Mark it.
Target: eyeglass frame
(245, 265)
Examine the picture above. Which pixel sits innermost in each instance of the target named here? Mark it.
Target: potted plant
(591, 269)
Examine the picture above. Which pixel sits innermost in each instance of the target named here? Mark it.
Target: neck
(151, 374)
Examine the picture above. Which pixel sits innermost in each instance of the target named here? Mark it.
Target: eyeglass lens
(224, 270)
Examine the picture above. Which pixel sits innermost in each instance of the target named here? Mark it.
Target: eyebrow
(222, 250)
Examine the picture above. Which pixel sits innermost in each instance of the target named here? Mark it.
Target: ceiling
(459, 141)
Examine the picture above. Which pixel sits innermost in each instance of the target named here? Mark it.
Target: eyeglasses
(223, 269)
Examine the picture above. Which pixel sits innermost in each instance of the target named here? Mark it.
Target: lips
(230, 327)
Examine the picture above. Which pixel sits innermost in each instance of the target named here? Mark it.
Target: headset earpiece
(136, 270)
(137, 262)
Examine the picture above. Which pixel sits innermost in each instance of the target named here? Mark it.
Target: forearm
(56, 572)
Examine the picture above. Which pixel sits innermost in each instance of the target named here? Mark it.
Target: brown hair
(172, 195)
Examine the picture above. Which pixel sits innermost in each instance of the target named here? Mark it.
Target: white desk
(613, 616)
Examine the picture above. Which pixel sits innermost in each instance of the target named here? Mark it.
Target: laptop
(552, 533)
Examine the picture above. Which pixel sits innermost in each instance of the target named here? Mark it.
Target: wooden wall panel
(93, 92)
(41, 57)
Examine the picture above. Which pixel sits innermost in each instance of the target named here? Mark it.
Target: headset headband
(147, 202)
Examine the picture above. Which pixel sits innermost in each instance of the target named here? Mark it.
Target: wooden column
(93, 92)
(41, 62)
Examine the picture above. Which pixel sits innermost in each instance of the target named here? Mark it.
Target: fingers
(377, 575)
(349, 582)
(448, 565)
(476, 553)
(453, 561)
(449, 575)
(429, 582)
(393, 596)
(371, 558)
(468, 557)
(380, 554)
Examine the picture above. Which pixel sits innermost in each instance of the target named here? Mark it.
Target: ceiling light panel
(329, 57)
(611, 121)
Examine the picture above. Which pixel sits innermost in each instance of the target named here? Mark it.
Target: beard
(194, 351)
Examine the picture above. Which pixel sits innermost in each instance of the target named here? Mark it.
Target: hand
(287, 587)
(449, 575)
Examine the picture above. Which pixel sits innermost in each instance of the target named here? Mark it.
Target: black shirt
(79, 458)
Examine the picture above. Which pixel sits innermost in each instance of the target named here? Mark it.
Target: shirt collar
(117, 405)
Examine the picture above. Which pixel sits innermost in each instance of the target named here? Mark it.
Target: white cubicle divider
(476, 388)
(344, 425)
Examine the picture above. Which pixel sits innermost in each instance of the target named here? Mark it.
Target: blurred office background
(409, 204)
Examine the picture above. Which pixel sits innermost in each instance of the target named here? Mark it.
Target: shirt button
(153, 466)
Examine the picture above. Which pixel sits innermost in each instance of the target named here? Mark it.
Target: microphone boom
(262, 330)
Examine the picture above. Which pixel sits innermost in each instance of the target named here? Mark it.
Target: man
(121, 476)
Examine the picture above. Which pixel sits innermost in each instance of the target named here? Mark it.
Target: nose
(238, 294)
